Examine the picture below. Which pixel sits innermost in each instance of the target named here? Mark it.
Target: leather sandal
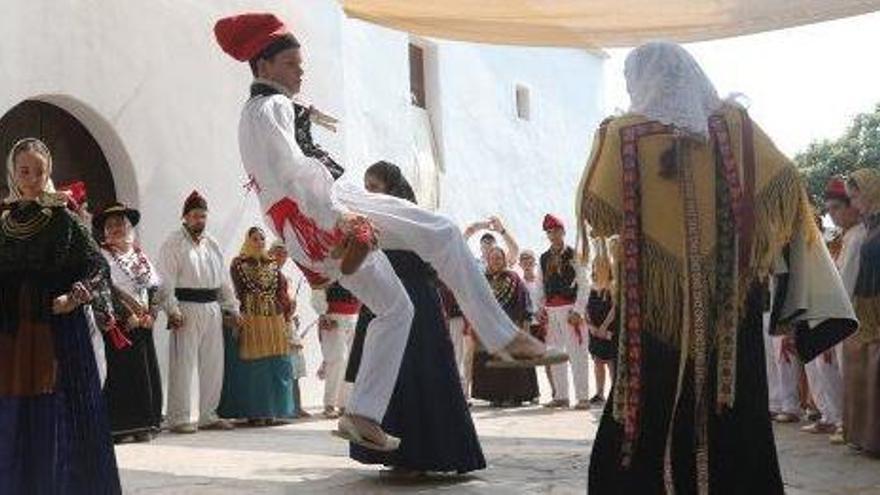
(347, 430)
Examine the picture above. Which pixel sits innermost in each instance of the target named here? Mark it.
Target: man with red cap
(328, 225)
(851, 232)
(562, 304)
(845, 249)
(197, 291)
(338, 312)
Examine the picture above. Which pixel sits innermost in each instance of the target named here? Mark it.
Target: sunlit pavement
(529, 450)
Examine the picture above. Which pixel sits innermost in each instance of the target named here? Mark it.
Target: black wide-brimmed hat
(116, 208)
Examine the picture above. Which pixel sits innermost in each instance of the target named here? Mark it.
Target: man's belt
(202, 296)
(556, 300)
(350, 307)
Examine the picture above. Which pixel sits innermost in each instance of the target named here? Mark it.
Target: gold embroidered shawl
(780, 208)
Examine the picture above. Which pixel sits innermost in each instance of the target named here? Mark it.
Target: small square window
(523, 103)
(417, 75)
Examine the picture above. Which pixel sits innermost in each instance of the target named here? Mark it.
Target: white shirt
(123, 276)
(535, 289)
(280, 171)
(184, 263)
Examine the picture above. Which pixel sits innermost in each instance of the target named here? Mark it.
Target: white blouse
(132, 273)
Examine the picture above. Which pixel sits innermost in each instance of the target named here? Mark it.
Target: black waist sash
(202, 296)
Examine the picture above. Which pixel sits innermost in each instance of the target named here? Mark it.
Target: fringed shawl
(511, 293)
(780, 209)
(700, 222)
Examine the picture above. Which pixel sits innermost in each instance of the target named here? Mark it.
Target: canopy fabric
(597, 23)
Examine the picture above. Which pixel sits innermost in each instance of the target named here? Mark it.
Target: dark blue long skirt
(60, 443)
(428, 411)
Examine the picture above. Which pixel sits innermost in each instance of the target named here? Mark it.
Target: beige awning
(597, 23)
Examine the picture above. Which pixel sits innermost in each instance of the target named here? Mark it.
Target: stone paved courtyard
(529, 450)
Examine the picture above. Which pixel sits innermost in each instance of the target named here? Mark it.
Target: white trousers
(774, 387)
(197, 347)
(463, 346)
(826, 387)
(403, 225)
(788, 372)
(562, 335)
(376, 285)
(335, 347)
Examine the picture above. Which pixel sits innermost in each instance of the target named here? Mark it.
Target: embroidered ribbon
(729, 266)
(697, 310)
(730, 211)
(315, 241)
(628, 386)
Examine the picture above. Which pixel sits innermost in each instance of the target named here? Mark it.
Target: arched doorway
(76, 154)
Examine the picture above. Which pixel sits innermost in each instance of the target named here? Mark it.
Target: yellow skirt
(263, 336)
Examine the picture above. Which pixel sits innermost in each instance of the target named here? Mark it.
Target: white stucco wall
(498, 164)
(149, 82)
(376, 96)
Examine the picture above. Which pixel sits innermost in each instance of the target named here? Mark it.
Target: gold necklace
(24, 230)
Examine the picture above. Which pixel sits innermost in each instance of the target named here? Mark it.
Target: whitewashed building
(136, 99)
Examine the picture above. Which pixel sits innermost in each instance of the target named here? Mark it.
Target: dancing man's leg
(403, 225)
(376, 285)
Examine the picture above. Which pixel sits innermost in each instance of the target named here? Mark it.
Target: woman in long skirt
(54, 434)
(428, 411)
(258, 383)
(504, 387)
(134, 387)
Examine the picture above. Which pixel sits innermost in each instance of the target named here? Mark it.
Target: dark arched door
(76, 155)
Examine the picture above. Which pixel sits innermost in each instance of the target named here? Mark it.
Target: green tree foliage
(859, 147)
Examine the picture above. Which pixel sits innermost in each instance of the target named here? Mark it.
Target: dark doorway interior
(76, 156)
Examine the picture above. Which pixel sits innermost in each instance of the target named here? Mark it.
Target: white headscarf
(14, 192)
(666, 84)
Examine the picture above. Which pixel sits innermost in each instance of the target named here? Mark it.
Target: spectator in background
(278, 252)
(602, 317)
(338, 310)
(197, 291)
(134, 386)
(488, 240)
(258, 381)
(505, 387)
